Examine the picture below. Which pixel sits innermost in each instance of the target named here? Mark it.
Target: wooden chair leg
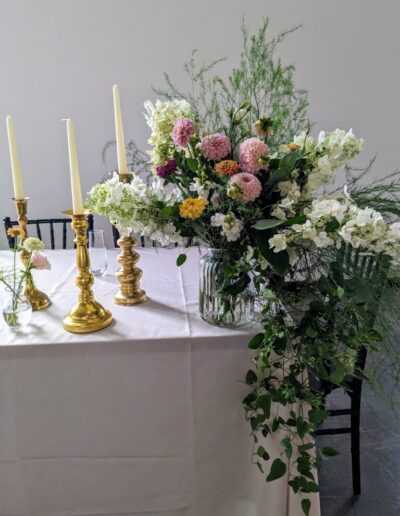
(355, 449)
(355, 461)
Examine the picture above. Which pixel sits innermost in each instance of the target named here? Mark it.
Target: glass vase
(17, 312)
(216, 307)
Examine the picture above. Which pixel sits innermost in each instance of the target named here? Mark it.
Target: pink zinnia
(215, 146)
(249, 187)
(250, 152)
(182, 131)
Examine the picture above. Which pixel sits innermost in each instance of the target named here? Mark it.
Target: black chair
(37, 223)
(374, 271)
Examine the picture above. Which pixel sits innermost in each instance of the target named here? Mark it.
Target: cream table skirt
(141, 419)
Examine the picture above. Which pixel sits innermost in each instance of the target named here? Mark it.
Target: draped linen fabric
(141, 419)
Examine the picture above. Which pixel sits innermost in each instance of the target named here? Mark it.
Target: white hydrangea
(323, 240)
(327, 208)
(231, 227)
(161, 117)
(278, 242)
(135, 208)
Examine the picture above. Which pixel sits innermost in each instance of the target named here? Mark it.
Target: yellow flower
(293, 147)
(192, 208)
(15, 232)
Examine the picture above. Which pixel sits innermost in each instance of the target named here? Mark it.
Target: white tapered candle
(119, 133)
(77, 204)
(19, 192)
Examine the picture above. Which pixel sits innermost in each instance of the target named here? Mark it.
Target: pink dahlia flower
(215, 146)
(245, 187)
(182, 131)
(250, 152)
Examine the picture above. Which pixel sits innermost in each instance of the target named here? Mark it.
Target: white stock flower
(231, 227)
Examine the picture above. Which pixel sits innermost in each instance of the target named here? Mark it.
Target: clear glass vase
(218, 308)
(17, 312)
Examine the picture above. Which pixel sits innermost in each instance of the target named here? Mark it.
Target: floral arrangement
(257, 186)
(135, 207)
(14, 279)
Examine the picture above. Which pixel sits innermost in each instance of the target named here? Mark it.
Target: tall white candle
(77, 204)
(19, 192)
(119, 132)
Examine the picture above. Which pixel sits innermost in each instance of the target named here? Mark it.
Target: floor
(380, 463)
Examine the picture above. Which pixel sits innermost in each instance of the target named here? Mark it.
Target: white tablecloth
(143, 418)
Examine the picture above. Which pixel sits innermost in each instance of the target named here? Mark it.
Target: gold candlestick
(128, 276)
(87, 315)
(38, 300)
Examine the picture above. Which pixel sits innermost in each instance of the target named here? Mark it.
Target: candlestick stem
(38, 300)
(129, 275)
(87, 315)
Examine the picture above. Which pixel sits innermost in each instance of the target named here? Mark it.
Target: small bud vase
(17, 312)
(216, 307)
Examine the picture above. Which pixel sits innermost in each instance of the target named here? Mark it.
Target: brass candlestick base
(128, 276)
(38, 300)
(87, 315)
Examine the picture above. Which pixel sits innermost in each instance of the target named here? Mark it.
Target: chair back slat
(53, 245)
(64, 235)
(38, 232)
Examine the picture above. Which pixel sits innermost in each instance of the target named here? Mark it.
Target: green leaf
(332, 225)
(286, 443)
(288, 162)
(261, 452)
(305, 447)
(192, 164)
(268, 223)
(311, 487)
(306, 506)
(316, 416)
(338, 374)
(181, 259)
(275, 424)
(310, 332)
(249, 399)
(168, 211)
(278, 469)
(268, 294)
(302, 427)
(264, 403)
(256, 341)
(329, 452)
(299, 219)
(251, 377)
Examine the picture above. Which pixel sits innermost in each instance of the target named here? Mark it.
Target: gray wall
(60, 58)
